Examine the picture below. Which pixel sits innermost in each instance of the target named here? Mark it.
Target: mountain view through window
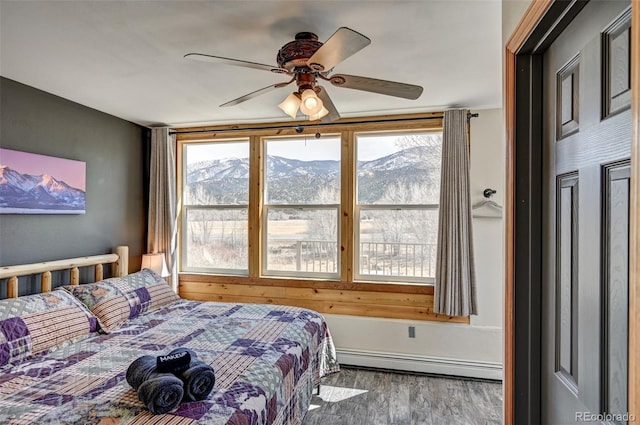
(396, 194)
(396, 214)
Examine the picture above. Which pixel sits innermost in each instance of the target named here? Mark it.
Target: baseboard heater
(421, 364)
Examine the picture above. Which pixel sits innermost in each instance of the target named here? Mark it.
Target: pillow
(116, 300)
(35, 323)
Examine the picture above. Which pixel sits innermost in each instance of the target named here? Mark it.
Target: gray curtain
(455, 287)
(162, 230)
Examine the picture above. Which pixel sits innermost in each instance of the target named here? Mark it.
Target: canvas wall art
(39, 184)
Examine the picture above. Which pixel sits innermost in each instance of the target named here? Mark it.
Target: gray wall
(38, 122)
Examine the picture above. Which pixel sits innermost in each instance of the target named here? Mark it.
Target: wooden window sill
(395, 301)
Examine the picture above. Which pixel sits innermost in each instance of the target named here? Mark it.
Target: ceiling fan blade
(333, 114)
(390, 88)
(236, 62)
(256, 93)
(342, 44)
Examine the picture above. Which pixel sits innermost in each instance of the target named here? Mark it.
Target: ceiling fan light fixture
(311, 103)
(323, 112)
(307, 60)
(290, 105)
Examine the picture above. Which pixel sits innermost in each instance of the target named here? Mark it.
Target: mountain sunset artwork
(40, 184)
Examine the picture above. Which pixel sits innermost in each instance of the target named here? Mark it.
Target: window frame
(185, 208)
(265, 206)
(365, 278)
(358, 208)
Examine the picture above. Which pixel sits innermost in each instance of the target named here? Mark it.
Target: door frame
(542, 21)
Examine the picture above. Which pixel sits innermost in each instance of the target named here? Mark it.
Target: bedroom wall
(449, 348)
(38, 122)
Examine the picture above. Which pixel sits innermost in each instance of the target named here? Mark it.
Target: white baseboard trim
(420, 363)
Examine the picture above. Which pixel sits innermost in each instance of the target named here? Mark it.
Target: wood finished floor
(371, 397)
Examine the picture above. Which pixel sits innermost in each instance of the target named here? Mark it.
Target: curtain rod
(300, 127)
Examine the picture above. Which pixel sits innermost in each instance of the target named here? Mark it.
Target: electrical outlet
(412, 331)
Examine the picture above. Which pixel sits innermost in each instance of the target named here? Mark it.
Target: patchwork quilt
(267, 361)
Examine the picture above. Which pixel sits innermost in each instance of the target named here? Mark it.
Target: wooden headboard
(120, 261)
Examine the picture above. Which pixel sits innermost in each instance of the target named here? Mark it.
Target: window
(352, 205)
(301, 207)
(215, 196)
(396, 214)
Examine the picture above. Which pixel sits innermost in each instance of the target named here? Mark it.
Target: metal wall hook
(488, 193)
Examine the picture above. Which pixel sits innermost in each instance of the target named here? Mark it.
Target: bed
(64, 353)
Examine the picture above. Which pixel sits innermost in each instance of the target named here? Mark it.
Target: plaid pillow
(35, 323)
(116, 300)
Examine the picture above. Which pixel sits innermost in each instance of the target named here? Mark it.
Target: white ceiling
(125, 58)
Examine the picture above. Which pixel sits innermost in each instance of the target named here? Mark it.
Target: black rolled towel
(174, 363)
(160, 392)
(198, 379)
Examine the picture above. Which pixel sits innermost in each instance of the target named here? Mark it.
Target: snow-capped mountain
(417, 156)
(236, 168)
(26, 191)
(225, 181)
(279, 167)
(218, 170)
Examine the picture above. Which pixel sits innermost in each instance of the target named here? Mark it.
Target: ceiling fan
(308, 61)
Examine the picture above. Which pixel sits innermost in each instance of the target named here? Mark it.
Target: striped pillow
(36, 323)
(114, 301)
